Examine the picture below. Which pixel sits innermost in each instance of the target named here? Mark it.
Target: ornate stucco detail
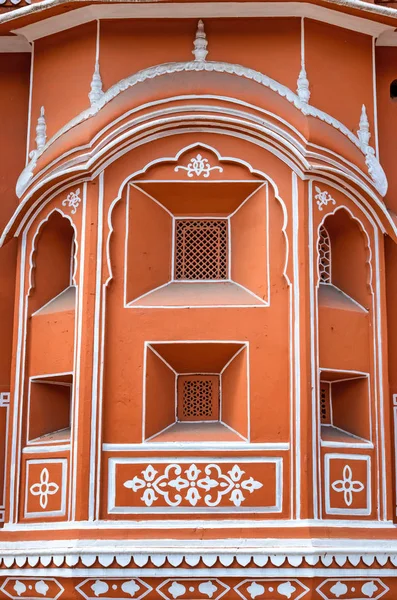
(363, 131)
(41, 130)
(193, 483)
(198, 166)
(303, 90)
(96, 92)
(323, 198)
(375, 170)
(73, 200)
(200, 43)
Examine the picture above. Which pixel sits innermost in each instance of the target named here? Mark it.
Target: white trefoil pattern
(199, 166)
(347, 485)
(323, 198)
(44, 488)
(73, 201)
(216, 484)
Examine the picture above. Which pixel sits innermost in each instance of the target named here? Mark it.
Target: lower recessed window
(49, 410)
(198, 398)
(344, 406)
(196, 391)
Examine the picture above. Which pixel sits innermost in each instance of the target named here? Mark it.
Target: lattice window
(324, 256)
(325, 408)
(201, 249)
(198, 398)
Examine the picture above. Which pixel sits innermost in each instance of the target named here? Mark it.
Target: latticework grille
(325, 416)
(201, 249)
(198, 397)
(324, 256)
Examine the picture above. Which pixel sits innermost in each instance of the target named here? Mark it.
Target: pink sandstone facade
(198, 300)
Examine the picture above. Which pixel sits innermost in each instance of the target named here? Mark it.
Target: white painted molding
(374, 168)
(96, 92)
(41, 131)
(14, 43)
(78, 16)
(363, 130)
(326, 556)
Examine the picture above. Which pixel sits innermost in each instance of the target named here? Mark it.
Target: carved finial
(303, 89)
(41, 128)
(200, 43)
(96, 92)
(363, 132)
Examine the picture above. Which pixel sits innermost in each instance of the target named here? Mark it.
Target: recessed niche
(49, 408)
(191, 244)
(53, 264)
(196, 391)
(344, 406)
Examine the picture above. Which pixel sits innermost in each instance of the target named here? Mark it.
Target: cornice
(44, 17)
(222, 555)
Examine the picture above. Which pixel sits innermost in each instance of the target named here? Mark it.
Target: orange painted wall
(63, 67)
(386, 72)
(14, 83)
(339, 68)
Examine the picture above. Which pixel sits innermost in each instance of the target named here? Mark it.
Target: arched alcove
(53, 262)
(344, 303)
(50, 331)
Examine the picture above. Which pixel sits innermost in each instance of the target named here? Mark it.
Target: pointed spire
(96, 92)
(200, 43)
(363, 131)
(303, 89)
(41, 128)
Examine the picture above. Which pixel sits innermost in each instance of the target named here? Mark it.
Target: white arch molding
(286, 145)
(374, 168)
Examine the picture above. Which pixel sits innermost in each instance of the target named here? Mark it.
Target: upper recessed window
(393, 90)
(201, 249)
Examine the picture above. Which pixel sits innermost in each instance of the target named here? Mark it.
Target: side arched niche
(50, 332)
(344, 328)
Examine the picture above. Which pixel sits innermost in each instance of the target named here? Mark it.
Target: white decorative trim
(200, 43)
(283, 587)
(72, 200)
(363, 133)
(30, 589)
(191, 482)
(323, 198)
(367, 588)
(96, 92)
(198, 166)
(100, 587)
(41, 128)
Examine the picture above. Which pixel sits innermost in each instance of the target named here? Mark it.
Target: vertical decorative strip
(296, 335)
(95, 446)
(30, 105)
(376, 139)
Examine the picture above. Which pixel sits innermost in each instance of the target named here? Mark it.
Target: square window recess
(49, 408)
(344, 407)
(196, 391)
(209, 249)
